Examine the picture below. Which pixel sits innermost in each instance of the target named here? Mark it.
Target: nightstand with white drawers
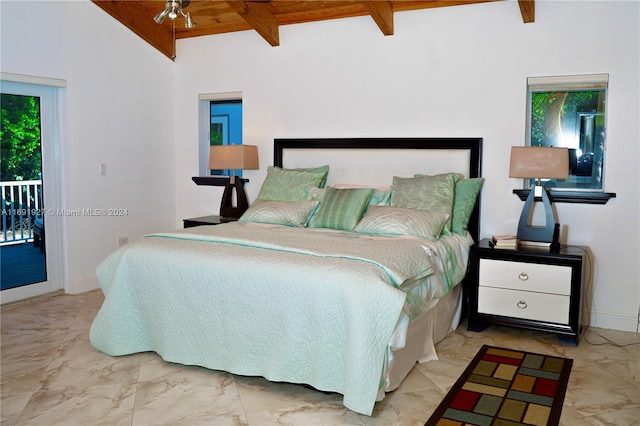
(531, 288)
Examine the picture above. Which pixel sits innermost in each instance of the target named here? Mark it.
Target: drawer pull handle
(523, 276)
(522, 304)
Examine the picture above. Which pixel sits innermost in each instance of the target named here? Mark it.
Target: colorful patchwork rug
(504, 387)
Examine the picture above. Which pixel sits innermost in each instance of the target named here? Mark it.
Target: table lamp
(233, 157)
(530, 162)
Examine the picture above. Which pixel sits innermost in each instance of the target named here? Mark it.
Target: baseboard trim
(77, 287)
(611, 321)
(39, 297)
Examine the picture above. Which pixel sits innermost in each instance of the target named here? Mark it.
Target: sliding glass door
(29, 237)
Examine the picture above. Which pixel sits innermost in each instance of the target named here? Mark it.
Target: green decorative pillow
(388, 220)
(466, 194)
(341, 208)
(433, 193)
(287, 213)
(289, 184)
(322, 169)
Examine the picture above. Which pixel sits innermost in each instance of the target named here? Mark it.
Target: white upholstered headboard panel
(377, 166)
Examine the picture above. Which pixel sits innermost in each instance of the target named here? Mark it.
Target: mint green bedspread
(291, 305)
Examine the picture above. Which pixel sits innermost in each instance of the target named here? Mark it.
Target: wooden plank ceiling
(264, 16)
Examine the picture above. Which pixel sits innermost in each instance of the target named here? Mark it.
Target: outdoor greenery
(20, 157)
(573, 119)
(216, 133)
(551, 112)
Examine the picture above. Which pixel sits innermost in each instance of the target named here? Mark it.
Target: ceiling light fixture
(173, 8)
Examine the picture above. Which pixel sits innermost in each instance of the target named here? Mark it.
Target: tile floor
(50, 375)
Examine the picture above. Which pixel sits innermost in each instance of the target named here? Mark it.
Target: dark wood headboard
(472, 145)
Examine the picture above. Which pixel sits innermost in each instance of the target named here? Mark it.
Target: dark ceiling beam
(133, 17)
(382, 13)
(258, 15)
(528, 10)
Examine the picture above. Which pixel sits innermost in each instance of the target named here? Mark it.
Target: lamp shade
(530, 162)
(233, 157)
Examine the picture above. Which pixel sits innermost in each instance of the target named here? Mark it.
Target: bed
(342, 284)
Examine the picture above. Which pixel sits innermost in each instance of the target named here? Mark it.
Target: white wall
(119, 109)
(455, 71)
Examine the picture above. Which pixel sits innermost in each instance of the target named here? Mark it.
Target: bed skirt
(423, 334)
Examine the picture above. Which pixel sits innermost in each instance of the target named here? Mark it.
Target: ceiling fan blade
(185, 3)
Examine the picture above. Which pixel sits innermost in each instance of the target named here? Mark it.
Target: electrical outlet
(122, 241)
(102, 169)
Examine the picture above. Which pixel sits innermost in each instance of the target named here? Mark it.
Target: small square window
(219, 123)
(226, 128)
(569, 111)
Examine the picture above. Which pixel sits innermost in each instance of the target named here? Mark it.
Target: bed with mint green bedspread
(288, 304)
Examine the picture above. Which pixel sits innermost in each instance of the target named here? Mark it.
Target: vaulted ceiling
(264, 16)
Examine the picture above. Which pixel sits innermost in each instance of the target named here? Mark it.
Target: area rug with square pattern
(505, 387)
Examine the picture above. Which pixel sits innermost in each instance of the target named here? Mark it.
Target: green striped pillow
(341, 208)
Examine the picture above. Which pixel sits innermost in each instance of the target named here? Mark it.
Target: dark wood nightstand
(531, 288)
(207, 220)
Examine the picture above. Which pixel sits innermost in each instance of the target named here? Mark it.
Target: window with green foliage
(20, 132)
(570, 111)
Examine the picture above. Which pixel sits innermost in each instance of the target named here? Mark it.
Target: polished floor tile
(51, 375)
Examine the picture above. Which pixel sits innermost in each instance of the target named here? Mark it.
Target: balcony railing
(21, 204)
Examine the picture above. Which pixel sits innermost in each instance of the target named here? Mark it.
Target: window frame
(230, 122)
(204, 137)
(570, 83)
